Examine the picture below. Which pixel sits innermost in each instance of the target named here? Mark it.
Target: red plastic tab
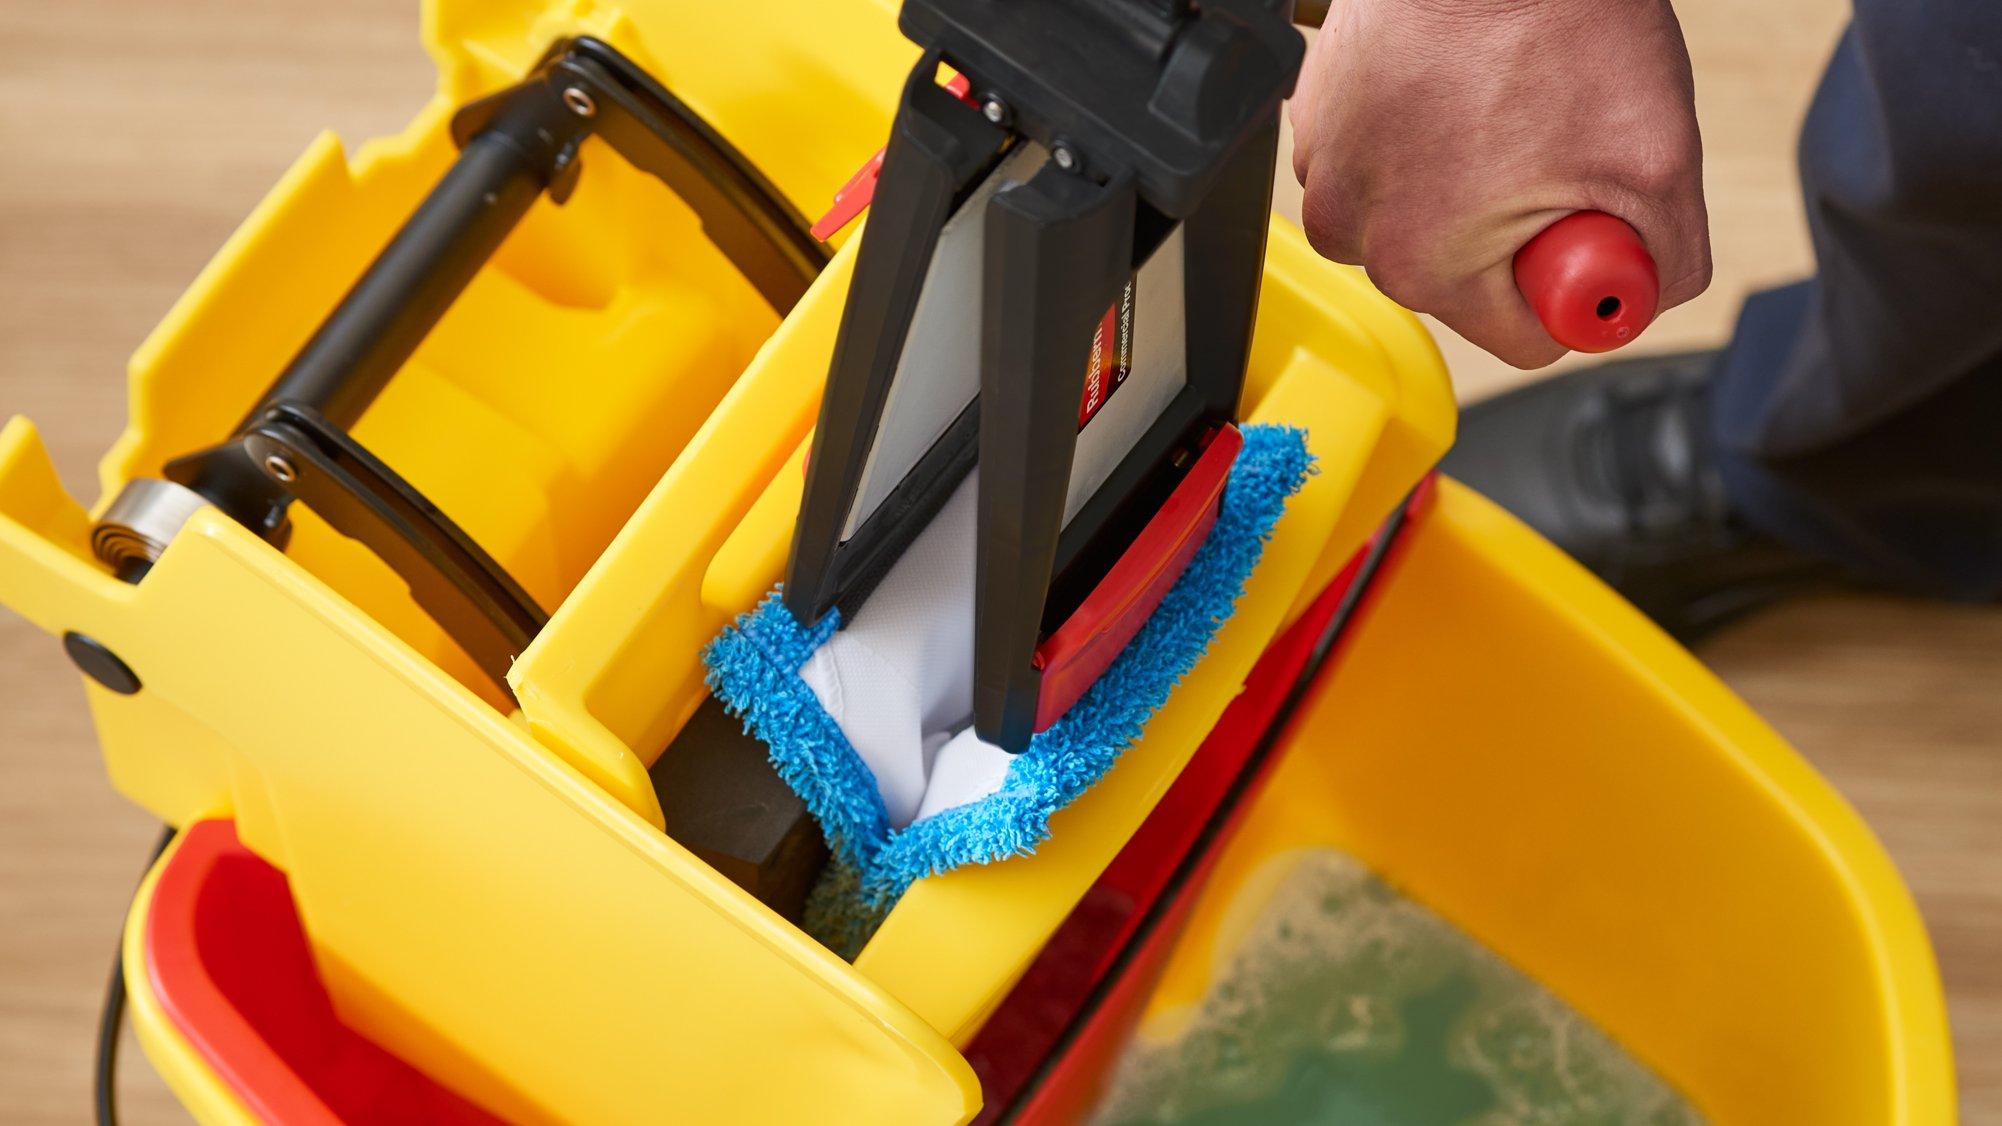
(1079, 651)
(1591, 281)
(853, 197)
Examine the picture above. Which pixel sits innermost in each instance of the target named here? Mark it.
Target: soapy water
(1347, 1003)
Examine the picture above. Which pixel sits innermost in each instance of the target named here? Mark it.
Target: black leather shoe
(1614, 464)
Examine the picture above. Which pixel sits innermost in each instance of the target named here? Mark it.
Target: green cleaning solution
(1344, 1002)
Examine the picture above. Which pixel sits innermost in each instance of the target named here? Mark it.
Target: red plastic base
(230, 966)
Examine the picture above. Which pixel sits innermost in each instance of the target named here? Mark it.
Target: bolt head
(281, 470)
(99, 663)
(1066, 158)
(580, 101)
(994, 110)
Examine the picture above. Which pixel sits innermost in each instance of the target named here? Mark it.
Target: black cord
(1220, 816)
(111, 1017)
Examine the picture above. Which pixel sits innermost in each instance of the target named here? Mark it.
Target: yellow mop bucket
(471, 869)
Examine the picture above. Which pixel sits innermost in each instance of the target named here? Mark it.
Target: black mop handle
(414, 280)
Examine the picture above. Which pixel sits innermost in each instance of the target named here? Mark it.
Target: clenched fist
(1435, 137)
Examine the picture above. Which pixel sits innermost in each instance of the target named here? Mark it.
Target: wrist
(1558, 12)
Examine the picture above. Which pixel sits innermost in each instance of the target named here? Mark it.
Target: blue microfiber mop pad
(754, 669)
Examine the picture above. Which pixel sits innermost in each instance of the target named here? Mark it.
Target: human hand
(1435, 137)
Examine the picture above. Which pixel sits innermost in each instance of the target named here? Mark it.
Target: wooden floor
(134, 135)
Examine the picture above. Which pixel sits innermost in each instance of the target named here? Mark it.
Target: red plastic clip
(1078, 653)
(853, 197)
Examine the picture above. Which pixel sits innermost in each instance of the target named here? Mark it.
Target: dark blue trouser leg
(1859, 414)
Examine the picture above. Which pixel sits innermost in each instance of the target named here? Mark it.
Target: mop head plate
(754, 668)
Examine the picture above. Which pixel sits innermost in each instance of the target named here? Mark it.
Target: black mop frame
(1155, 116)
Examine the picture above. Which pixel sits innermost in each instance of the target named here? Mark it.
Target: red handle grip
(1591, 281)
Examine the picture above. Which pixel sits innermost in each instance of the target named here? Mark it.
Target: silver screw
(994, 110)
(580, 102)
(280, 469)
(1065, 156)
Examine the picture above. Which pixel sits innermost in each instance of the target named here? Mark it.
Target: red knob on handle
(1591, 281)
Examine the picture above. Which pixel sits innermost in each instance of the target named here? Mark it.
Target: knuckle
(1405, 279)
(1331, 227)
(1530, 357)
(1303, 153)
(1660, 173)
(1692, 278)
(1700, 268)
